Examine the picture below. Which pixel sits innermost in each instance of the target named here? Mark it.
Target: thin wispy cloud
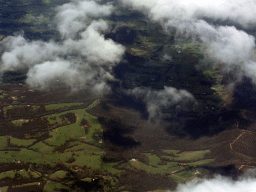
(225, 44)
(158, 100)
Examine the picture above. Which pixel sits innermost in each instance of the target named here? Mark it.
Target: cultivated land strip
(246, 158)
(239, 136)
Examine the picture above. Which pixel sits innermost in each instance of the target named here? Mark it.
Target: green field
(87, 159)
(35, 174)
(172, 166)
(4, 189)
(8, 156)
(71, 146)
(60, 106)
(185, 175)
(153, 159)
(42, 148)
(110, 168)
(171, 151)
(3, 142)
(21, 142)
(43, 152)
(19, 122)
(188, 156)
(96, 102)
(84, 147)
(11, 174)
(54, 119)
(26, 156)
(7, 174)
(32, 107)
(142, 166)
(63, 134)
(59, 175)
(197, 163)
(10, 107)
(52, 186)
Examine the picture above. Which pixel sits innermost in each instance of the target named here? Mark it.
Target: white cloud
(87, 59)
(98, 49)
(20, 53)
(231, 46)
(46, 74)
(218, 184)
(71, 17)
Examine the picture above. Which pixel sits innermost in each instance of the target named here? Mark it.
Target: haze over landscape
(129, 95)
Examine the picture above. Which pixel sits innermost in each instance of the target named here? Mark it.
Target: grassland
(153, 159)
(74, 148)
(20, 111)
(7, 174)
(52, 186)
(174, 165)
(142, 166)
(3, 142)
(202, 162)
(188, 156)
(59, 174)
(10, 107)
(60, 106)
(8, 156)
(42, 148)
(110, 168)
(14, 173)
(35, 174)
(4, 189)
(29, 156)
(63, 134)
(96, 102)
(88, 160)
(77, 148)
(145, 46)
(84, 147)
(171, 151)
(19, 122)
(170, 166)
(21, 142)
(34, 107)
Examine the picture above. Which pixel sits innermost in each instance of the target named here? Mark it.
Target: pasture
(75, 141)
(60, 106)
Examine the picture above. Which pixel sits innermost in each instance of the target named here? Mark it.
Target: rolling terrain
(65, 139)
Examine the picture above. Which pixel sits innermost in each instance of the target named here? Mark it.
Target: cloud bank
(156, 101)
(218, 184)
(241, 12)
(84, 58)
(225, 44)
